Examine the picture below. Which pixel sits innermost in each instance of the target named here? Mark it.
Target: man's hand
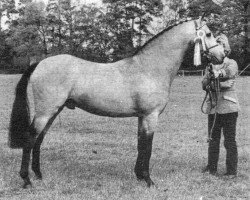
(227, 84)
(216, 73)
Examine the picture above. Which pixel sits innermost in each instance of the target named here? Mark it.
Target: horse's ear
(199, 22)
(202, 17)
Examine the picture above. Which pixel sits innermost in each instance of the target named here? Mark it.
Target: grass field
(90, 157)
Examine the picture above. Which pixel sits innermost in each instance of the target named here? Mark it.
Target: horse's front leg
(146, 127)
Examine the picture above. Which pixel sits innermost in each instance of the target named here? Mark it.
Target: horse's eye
(209, 34)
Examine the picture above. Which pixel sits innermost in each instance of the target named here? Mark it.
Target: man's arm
(229, 74)
(230, 71)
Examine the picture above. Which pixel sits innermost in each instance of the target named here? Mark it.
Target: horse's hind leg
(36, 157)
(36, 149)
(42, 125)
(37, 131)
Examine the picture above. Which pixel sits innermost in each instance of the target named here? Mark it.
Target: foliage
(23, 34)
(114, 31)
(8, 6)
(128, 21)
(96, 34)
(5, 52)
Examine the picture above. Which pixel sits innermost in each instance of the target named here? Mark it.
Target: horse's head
(223, 40)
(210, 47)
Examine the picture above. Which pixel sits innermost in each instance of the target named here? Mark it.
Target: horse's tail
(20, 115)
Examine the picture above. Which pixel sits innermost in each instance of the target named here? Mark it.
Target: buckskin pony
(137, 86)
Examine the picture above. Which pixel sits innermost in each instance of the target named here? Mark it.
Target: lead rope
(203, 102)
(217, 94)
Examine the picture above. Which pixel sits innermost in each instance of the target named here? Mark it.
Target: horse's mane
(159, 34)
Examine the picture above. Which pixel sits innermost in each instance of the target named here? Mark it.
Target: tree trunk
(1, 12)
(248, 27)
(247, 31)
(140, 26)
(59, 27)
(0, 21)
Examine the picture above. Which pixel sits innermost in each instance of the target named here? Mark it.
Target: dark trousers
(227, 123)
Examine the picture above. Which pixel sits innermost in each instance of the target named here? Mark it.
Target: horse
(137, 86)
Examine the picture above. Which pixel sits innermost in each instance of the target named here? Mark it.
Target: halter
(200, 39)
(201, 34)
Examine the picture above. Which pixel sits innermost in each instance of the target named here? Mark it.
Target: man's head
(223, 40)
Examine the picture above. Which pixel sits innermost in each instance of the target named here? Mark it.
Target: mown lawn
(90, 157)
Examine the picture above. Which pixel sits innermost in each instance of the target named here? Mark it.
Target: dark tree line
(110, 32)
(99, 34)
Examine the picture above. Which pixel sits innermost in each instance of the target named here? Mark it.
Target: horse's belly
(106, 105)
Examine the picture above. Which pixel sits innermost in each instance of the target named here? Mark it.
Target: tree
(26, 32)
(77, 30)
(92, 38)
(5, 52)
(128, 21)
(7, 8)
(246, 5)
(55, 24)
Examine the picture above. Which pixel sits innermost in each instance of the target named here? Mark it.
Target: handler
(222, 110)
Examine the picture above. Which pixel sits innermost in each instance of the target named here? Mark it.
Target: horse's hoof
(150, 183)
(139, 177)
(27, 185)
(39, 178)
(38, 175)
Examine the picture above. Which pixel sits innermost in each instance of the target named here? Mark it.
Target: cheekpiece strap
(197, 27)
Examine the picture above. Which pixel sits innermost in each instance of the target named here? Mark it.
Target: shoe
(206, 169)
(231, 175)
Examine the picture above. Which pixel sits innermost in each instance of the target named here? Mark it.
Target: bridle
(201, 34)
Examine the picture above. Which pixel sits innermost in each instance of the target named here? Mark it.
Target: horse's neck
(164, 55)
